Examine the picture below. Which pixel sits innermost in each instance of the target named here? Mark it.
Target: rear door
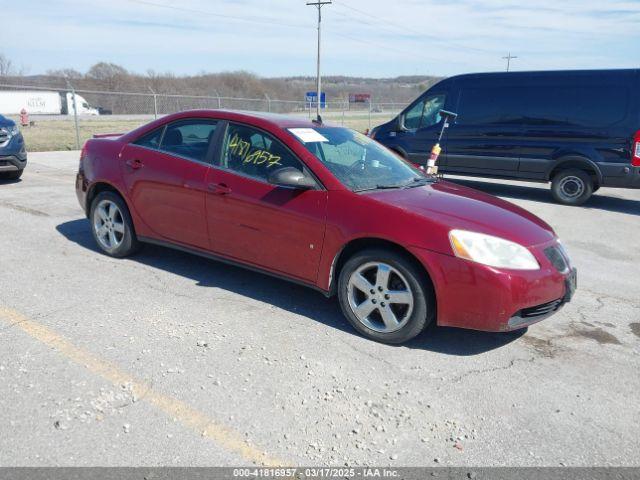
(486, 136)
(252, 221)
(583, 113)
(165, 173)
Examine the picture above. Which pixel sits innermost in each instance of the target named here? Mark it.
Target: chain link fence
(54, 123)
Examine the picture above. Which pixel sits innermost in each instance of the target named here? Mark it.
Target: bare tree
(108, 76)
(6, 67)
(69, 73)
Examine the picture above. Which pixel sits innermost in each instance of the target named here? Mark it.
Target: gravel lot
(169, 359)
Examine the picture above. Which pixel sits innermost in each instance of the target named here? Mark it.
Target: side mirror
(292, 178)
(400, 123)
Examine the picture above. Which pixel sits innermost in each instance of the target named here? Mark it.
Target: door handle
(219, 188)
(135, 163)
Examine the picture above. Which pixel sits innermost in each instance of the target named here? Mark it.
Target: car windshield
(359, 162)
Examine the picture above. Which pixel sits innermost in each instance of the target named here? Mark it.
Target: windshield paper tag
(308, 135)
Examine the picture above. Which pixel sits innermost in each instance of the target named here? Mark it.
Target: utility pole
(508, 58)
(75, 112)
(319, 4)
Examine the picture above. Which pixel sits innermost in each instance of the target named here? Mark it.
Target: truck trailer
(41, 102)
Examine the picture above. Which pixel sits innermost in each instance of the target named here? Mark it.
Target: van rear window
(586, 106)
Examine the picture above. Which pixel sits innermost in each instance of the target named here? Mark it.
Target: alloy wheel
(380, 297)
(108, 224)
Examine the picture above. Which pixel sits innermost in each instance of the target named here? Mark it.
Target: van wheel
(111, 225)
(572, 187)
(383, 295)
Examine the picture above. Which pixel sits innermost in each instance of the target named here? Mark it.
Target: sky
(373, 38)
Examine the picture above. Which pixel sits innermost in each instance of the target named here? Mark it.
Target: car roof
(275, 119)
(548, 73)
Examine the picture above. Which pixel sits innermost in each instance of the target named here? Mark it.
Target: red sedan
(329, 208)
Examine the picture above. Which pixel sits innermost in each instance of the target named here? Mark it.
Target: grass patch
(54, 135)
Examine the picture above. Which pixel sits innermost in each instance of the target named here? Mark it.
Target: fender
(328, 282)
(92, 187)
(139, 226)
(574, 160)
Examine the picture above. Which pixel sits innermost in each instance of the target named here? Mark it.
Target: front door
(421, 126)
(165, 175)
(252, 221)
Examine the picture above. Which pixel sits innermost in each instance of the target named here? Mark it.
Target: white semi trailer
(40, 102)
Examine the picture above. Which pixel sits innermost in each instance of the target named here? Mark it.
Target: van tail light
(635, 150)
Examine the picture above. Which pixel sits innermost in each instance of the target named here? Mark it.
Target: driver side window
(425, 113)
(254, 153)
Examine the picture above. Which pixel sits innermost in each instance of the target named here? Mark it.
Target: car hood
(455, 206)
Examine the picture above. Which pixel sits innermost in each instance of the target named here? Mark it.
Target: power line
(263, 21)
(260, 20)
(386, 23)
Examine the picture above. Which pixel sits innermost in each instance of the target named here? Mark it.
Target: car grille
(539, 310)
(557, 259)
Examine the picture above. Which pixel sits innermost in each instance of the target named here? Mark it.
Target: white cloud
(361, 37)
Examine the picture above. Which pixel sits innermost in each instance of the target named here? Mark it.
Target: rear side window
(579, 106)
(151, 140)
(254, 153)
(189, 138)
(584, 106)
(481, 106)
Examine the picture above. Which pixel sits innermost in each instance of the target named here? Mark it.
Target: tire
(572, 187)
(112, 229)
(365, 272)
(13, 175)
(595, 188)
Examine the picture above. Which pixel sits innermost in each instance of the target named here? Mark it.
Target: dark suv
(578, 129)
(13, 155)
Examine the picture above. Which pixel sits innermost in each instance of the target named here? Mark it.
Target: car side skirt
(228, 261)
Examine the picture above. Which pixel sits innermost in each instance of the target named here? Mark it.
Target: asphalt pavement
(168, 359)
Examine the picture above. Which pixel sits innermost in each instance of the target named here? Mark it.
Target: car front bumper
(474, 296)
(11, 163)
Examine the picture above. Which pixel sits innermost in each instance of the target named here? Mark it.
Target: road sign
(312, 97)
(359, 97)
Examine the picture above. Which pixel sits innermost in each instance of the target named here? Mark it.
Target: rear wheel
(385, 296)
(111, 225)
(572, 187)
(13, 175)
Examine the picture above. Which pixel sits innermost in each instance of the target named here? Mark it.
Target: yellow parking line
(187, 415)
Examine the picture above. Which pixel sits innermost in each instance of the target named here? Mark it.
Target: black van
(578, 129)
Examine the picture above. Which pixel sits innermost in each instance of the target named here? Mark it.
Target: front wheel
(111, 225)
(385, 296)
(572, 187)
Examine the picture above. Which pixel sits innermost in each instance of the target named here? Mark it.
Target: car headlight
(491, 251)
(12, 130)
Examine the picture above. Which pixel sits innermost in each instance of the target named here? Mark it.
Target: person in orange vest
(24, 118)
